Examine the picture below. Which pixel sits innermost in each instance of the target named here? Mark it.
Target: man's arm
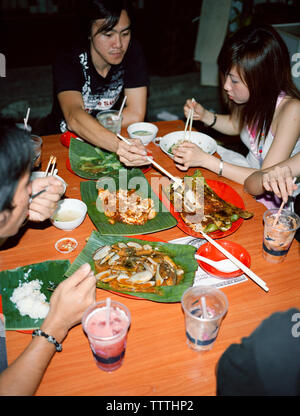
(136, 105)
(83, 124)
(67, 305)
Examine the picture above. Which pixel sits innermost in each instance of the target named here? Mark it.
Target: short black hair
(110, 10)
(15, 159)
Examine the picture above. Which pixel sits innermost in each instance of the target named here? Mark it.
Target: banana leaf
(90, 162)
(133, 179)
(51, 273)
(182, 255)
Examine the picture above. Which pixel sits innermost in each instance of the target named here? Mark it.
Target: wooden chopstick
(191, 123)
(49, 163)
(52, 162)
(238, 263)
(174, 179)
(53, 166)
(187, 123)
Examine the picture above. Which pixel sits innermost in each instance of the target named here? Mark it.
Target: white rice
(30, 301)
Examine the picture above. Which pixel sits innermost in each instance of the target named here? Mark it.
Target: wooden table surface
(158, 361)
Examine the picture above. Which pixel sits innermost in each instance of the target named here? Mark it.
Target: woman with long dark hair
(264, 106)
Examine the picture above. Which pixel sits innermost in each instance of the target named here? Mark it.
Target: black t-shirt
(267, 363)
(73, 70)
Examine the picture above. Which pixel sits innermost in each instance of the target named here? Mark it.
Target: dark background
(164, 27)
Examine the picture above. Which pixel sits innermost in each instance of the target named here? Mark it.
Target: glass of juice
(106, 328)
(279, 234)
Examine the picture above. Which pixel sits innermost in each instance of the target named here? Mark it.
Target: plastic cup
(36, 142)
(278, 238)
(110, 120)
(107, 342)
(23, 127)
(201, 332)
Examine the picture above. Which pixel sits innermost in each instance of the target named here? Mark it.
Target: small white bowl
(69, 214)
(146, 132)
(205, 142)
(40, 174)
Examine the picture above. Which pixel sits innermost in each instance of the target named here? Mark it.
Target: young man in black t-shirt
(95, 77)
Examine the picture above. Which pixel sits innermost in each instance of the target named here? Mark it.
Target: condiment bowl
(143, 131)
(69, 214)
(40, 174)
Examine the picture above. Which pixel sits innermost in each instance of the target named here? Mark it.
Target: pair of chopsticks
(189, 122)
(240, 265)
(177, 181)
(52, 162)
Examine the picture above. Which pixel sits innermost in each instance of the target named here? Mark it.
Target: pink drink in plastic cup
(108, 342)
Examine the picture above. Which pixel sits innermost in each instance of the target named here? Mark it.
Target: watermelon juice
(107, 337)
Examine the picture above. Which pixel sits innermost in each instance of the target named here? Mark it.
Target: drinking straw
(26, 119)
(107, 317)
(204, 309)
(278, 214)
(122, 106)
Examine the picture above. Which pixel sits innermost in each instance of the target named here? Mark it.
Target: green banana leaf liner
(51, 273)
(90, 162)
(182, 255)
(133, 179)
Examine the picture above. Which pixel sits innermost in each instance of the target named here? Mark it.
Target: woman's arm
(190, 155)
(67, 305)
(287, 131)
(224, 123)
(277, 179)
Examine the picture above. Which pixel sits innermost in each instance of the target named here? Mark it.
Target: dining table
(158, 361)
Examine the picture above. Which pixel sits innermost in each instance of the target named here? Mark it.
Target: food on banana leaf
(135, 267)
(104, 163)
(126, 206)
(201, 208)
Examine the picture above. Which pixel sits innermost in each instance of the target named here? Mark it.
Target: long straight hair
(262, 61)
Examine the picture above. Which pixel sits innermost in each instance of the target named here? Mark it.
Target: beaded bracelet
(214, 122)
(40, 333)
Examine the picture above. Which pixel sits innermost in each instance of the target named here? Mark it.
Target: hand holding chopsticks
(238, 263)
(189, 122)
(177, 181)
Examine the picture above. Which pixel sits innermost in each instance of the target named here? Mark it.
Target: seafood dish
(135, 267)
(126, 206)
(201, 208)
